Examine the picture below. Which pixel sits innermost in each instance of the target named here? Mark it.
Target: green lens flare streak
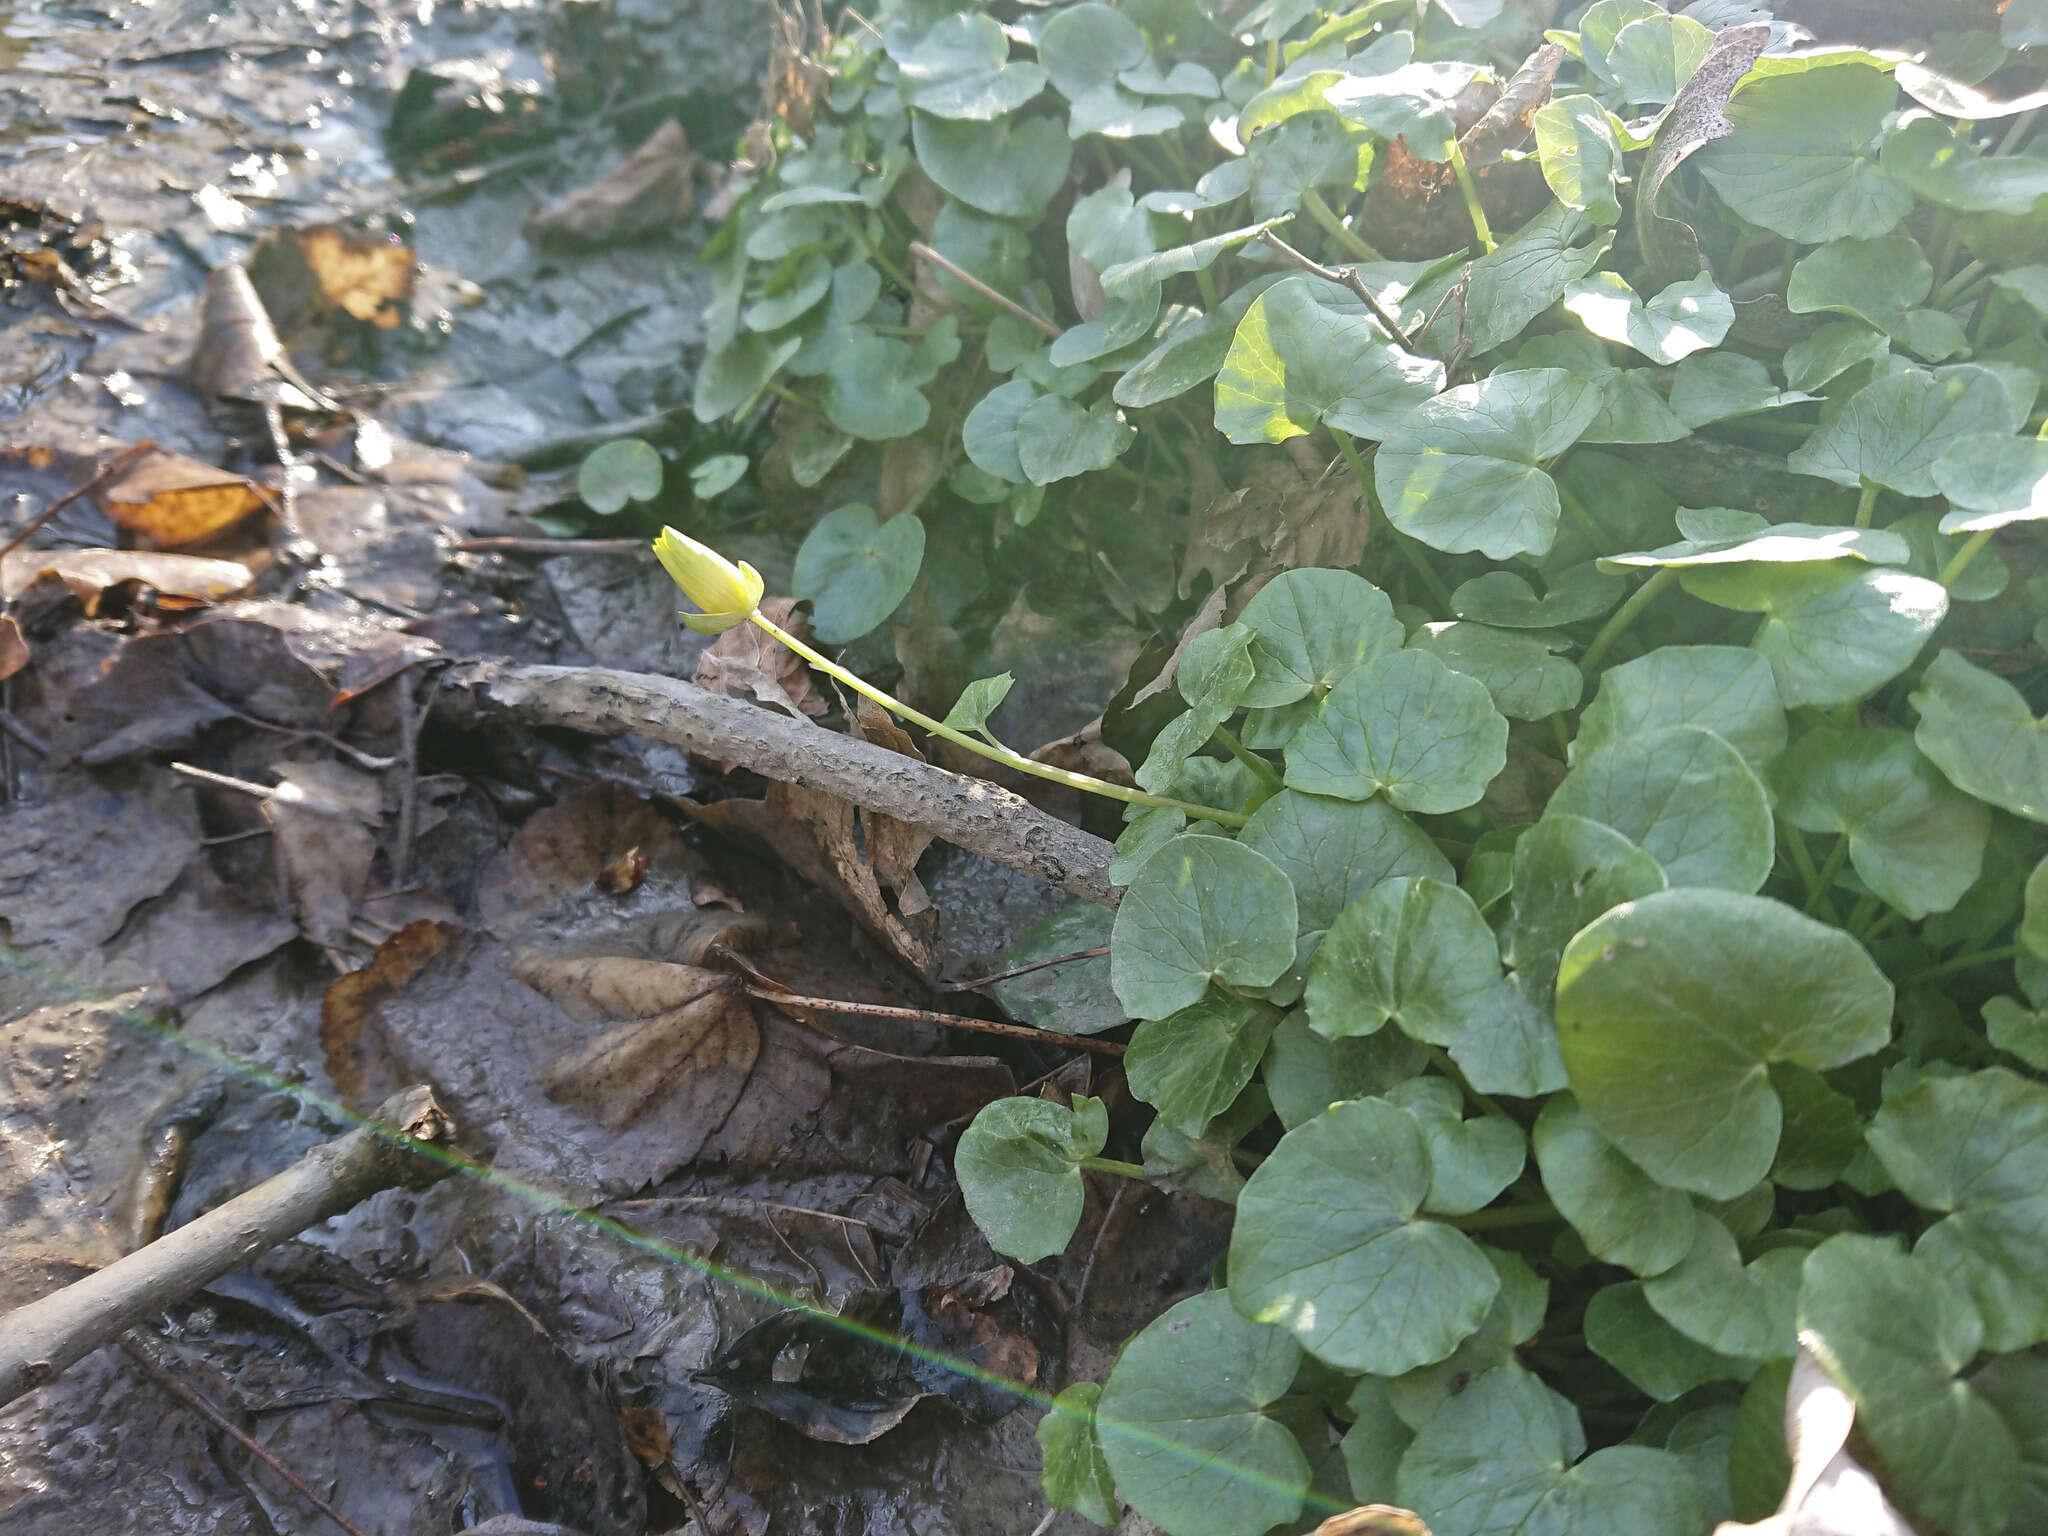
(13, 961)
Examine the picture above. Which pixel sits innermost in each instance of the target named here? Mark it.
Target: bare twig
(1021, 970)
(1347, 277)
(10, 726)
(509, 546)
(115, 466)
(39, 1340)
(224, 781)
(961, 274)
(149, 1358)
(410, 723)
(967, 812)
(783, 998)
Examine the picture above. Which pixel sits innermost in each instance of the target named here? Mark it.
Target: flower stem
(1003, 755)
(1829, 872)
(1960, 561)
(1267, 775)
(1625, 615)
(1111, 1165)
(1866, 503)
(1535, 1213)
(1472, 205)
(1962, 963)
(784, 392)
(1431, 582)
(1336, 228)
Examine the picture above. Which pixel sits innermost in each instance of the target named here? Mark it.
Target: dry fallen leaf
(239, 356)
(650, 190)
(1280, 518)
(173, 501)
(13, 648)
(1374, 1520)
(623, 875)
(90, 572)
(367, 276)
(747, 663)
(321, 815)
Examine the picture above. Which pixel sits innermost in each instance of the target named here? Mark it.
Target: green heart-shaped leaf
(1069, 999)
(1406, 726)
(989, 434)
(1685, 318)
(1412, 103)
(1192, 1065)
(1315, 626)
(1019, 1167)
(1057, 439)
(1720, 688)
(1623, 1329)
(1653, 56)
(1714, 386)
(1978, 730)
(1993, 482)
(1470, 1161)
(1580, 156)
(1943, 167)
(1306, 1074)
(1329, 1244)
(1507, 288)
(1201, 909)
(960, 68)
(618, 472)
(1527, 682)
(1010, 167)
(1413, 950)
(1567, 871)
(1464, 472)
(1893, 431)
(1072, 1469)
(874, 389)
(1713, 1299)
(1624, 1216)
(854, 570)
(1686, 797)
(1335, 851)
(1671, 1008)
(1506, 601)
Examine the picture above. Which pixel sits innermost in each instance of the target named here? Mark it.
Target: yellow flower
(727, 593)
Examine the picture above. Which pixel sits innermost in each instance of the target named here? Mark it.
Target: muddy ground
(252, 878)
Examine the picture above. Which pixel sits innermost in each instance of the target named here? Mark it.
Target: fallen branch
(39, 1340)
(1344, 277)
(967, 812)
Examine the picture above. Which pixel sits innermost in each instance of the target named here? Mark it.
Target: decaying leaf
(1374, 1520)
(1281, 517)
(561, 855)
(173, 501)
(623, 875)
(321, 814)
(75, 862)
(239, 356)
(14, 653)
(650, 190)
(353, 1037)
(746, 663)
(1508, 122)
(89, 573)
(681, 1037)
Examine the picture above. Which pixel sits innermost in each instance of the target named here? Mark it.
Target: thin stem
(1205, 284)
(1272, 59)
(1432, 583)
(1963, 963)
(1809, 876)
(1004, 301)
(1003, 755)
(1111, 1165)
(1860, 915)
(1618, 623)
(1884, 921)
(2016, 132)
(874, 251)
(784, 392)
(1336, 228)
(1949, 291)
(1267, 775)
(1866, 503)
(1582, 514)
(1960, 561)
(1472, 205)
(1449, 1068)
(1534, 1214)
(1829, 873)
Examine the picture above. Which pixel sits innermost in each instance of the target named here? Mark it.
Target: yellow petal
(726, 592)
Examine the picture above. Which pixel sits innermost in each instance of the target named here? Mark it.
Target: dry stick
(783, 998)
(1347, 277)
(970, 813)
(919, 248)
(509, 546)
(118, 464)
(1021, 970)
(40, 1340)
(148, 1354)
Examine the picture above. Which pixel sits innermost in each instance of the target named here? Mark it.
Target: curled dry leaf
(186, 579)
(322, 815)
(747, 663)
(239, 356)
(13, 648)
(650, 190)
(1278, 519)
(173, 501)
(1830, 1493)
(1374, 1520)
(623, 875)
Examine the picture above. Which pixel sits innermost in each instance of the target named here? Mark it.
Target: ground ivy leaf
(1406, 726)
(1978, 730)
(1723, 536)
(625, 469)
(1895, 1335)
(1686, 797)
(1183, 1427)
(1505, 600)
(1721, 688)
(1306, 1074)
(1085, 47)
(1412, 103)
(2017, 1386)
(1653, 56)
(1019, 1170)
(1878, 281)
(1413, 950)
(1714, 386)
(1685, 318)
(1893, 430)
(959, 68)
(733, 377)
(1511, 286)
(1823, 1132)
(1299, 87)
(1192, 1065)
(978, 700)
(1515, 1317)
(1131, 275)
(1977, 1148)
(989, 434)
(1567, 871)
(1714, 1300)
(1336, 851)
(1944, 168)
(1057, 439)
(1070, 999)
(1307, 353)
(1072, 1468)
(1527, 682)
(1915, 841)
(1670, 1010)
(1830, 633)
(1993, 482)
(1373, 1446)
(1329, 1245)
(1107, 229)
(1580, 157)
(1495, 1459)
(1623, 1215)
(1600, 24)
(1631, 409)
(808, 280)
(1463, 472)
(1796, 163)
(1205, 1165)
(1201, 909)
(2018, 1030)
(1214, 673)
(854, 570)
(1010, 167)
(1623, 1329)
(1315, 626)
(1831, 352)
(1470, 1161)
(874, 389)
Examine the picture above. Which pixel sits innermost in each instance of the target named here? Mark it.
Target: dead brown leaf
(559, 855)
(746, 663)
(89, 573)
(682, 1039)
(239, 356)
(1086, 752)
(321, 814)
(894, 847)
(1374, 1520)
(650, 190)
(173, 501)
(366, 276)
(13, 648)
(1280, 518)
(353, 1038)
(623, 875)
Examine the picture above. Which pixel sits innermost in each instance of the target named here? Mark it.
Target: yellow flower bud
(727, 593)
